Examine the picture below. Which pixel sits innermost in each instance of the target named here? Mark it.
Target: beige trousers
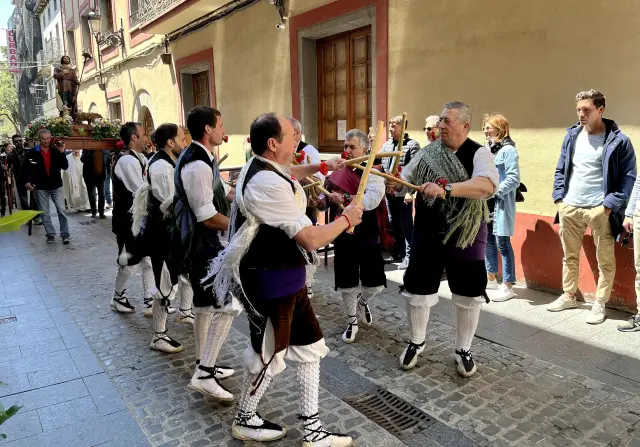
(573, 224)
(636, 254)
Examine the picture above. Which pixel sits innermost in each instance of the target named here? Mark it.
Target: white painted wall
(50, 18)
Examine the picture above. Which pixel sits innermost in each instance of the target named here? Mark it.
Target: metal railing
(53, 50)
(150, 9)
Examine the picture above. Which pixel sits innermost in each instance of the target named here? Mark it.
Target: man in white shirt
(268, 257)
(457, 176)
(593, 181)
(151, 220)
(129, 173)
(197, 225)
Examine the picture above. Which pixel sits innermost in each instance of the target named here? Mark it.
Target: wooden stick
(311, 185)
(396, 165)
(365, 175)
(366, 157)
(392, 178)
(320, 188)
(224, 157)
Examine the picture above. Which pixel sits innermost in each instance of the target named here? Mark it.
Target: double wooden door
(344, 86)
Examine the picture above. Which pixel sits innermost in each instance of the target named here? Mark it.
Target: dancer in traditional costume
(358, 257)
(197, 221)
(129, 173)
(268, 217)
(75, 191)
(457, 176)
(151, 222)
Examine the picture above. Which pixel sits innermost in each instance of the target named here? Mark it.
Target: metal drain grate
(395, 415)
(6, 320)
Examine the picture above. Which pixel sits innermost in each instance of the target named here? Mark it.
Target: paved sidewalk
(543, 379)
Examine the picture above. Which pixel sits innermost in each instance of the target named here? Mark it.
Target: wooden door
(344, 86)
(201, 89)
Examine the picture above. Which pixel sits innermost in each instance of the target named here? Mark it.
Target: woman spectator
(502, 206)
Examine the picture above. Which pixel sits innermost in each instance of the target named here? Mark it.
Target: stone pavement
(543, 379)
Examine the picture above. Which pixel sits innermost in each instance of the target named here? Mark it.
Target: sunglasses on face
(428, 129)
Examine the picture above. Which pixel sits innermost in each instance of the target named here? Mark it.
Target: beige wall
(523, 59)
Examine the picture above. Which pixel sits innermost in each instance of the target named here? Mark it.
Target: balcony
(50, 107)
(164, 16)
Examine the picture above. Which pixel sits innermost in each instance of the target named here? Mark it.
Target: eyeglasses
(428, 129)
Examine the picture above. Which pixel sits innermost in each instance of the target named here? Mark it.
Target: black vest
(203, 243)
(155, 213)
(432, 219)
(122, 197)
(272, 248)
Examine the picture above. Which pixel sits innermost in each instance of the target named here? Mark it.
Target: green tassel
(220, 199)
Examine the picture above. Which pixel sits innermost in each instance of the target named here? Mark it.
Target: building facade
(340, 64)
(53, 48)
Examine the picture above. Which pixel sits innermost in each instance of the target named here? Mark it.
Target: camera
(280, 26)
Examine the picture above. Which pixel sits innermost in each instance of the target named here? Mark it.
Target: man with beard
(151, 218)
(197, 223)
(457, 176)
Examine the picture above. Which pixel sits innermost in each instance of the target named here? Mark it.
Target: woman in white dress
(75, 191)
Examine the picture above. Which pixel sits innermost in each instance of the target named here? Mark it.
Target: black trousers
(401, 224)
(156, 241)
(23, 195)
(92, 184)
(355, 264)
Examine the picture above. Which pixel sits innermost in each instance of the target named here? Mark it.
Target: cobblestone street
(86, 376)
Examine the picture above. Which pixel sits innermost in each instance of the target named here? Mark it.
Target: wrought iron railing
(150, 9)
(134, 18)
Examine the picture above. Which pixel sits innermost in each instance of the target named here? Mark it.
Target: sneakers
(204, 381)
(466, 365)
(163, 343)
(148, 307)
(504, 294)
(251, 427)
(563, 302)
(349, 335)
(315, 434)
(66, 240)
(409, 356)
(186, 317)
(51, 239)
(404, 264)
(365, 312)
(492, 284)
(597, 314)
(121, 304)
(631, 325)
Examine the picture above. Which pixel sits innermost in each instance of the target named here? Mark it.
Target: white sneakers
(492, 284)
(563, 302)
(597, 314)
(504, 294)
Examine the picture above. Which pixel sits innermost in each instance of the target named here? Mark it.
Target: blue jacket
(504, 215)
(619, 170)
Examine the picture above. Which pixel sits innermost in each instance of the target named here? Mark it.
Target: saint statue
(68, 83)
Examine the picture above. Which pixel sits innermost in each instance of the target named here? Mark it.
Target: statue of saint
(68, 83)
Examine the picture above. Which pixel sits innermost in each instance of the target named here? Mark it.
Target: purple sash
(346, 180)
(474, 252)
(273, 284)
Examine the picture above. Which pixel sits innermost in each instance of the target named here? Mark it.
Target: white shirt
(483, 166)
(373, 192)
(312, 158)
(129, 171)
(586, 185)
(162, 184)
(197, 180)
(272, 201)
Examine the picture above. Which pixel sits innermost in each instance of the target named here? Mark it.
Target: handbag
(519, 190)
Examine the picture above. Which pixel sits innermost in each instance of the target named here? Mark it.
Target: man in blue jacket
(43, 164)
(593, 181)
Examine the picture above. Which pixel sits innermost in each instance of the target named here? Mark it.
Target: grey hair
(295, 123)
(357, 133)
(45, 131)
(435, 117)
(464, 111)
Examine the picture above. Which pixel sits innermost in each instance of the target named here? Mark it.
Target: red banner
(12, 51)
